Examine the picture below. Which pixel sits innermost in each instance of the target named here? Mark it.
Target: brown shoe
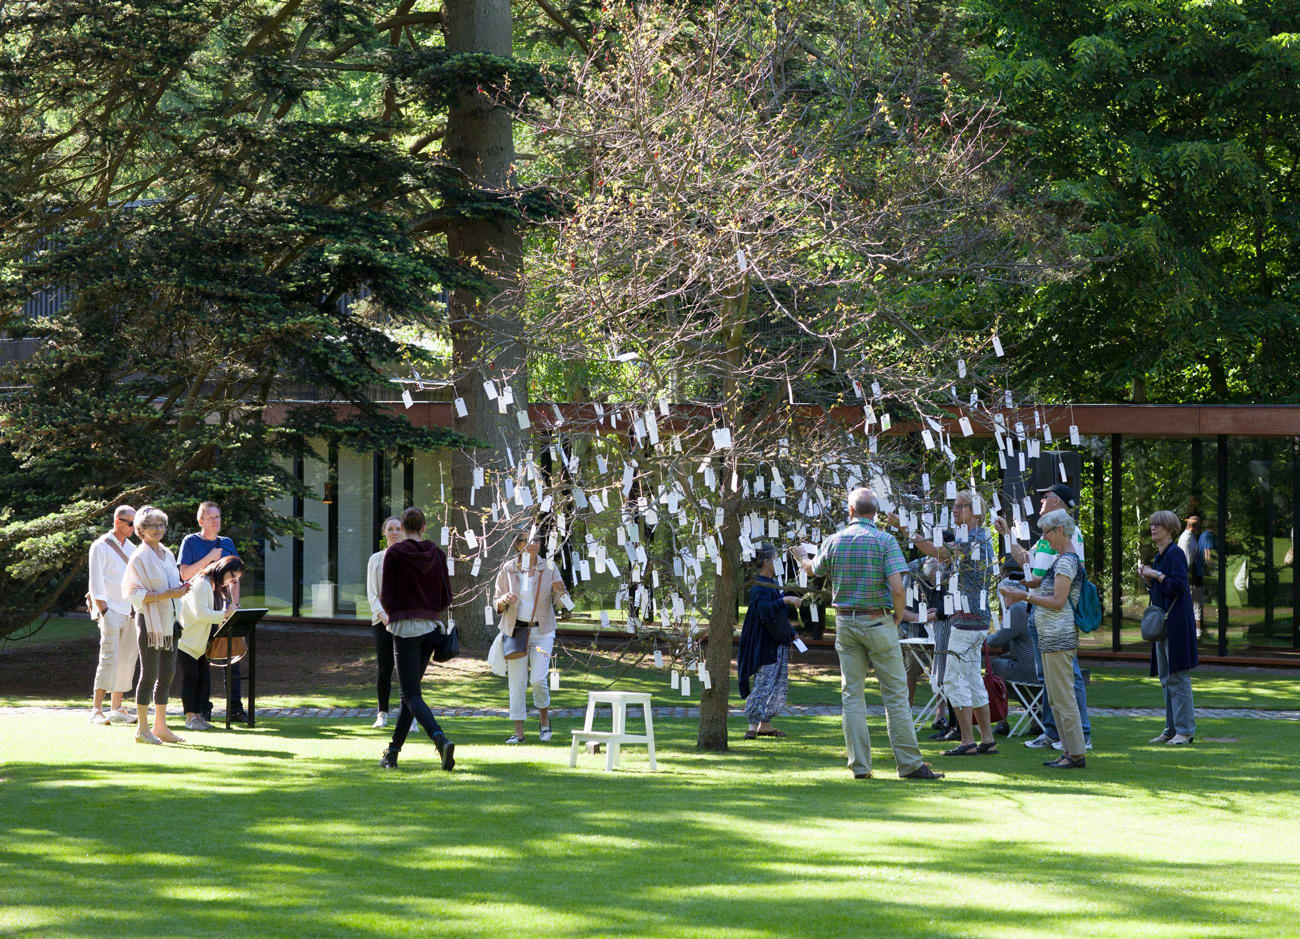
(923, 772)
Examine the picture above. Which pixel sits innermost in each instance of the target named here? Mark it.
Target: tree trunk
(480, 141)
(722, 630)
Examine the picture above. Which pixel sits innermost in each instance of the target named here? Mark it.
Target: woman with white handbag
(526, 588)
(1174, 654)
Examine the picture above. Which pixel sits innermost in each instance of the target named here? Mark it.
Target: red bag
(997, 691)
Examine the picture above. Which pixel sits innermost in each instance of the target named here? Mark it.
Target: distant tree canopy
(204, 183)
(1167, 136)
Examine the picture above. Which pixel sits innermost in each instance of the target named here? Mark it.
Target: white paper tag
(1074, 434)
(555, 679)
(961, 368)
(686, 686)
(487, 614)
(928, 438)
(886, 422)
(674, 679)
(799, 643)
(406, 398)
(659, 659)
(524, 423)
(966, 429)
(461, 409)
(997, 346)
(490, 389)
(566, 601)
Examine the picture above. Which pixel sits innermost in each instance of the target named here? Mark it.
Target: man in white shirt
(117, 636)
(393, 533)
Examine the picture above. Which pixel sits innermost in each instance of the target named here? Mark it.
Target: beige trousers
(118, 651)
(1058, 677)
(873, 643)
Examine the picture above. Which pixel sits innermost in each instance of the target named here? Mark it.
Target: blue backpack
(1087, 609)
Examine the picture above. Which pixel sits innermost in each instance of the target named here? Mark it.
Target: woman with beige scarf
(526, 588)
(153, 585)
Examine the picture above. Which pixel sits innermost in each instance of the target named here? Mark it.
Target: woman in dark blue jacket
(764, 652)
(1173, 657)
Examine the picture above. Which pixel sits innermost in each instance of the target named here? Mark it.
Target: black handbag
(448, 646)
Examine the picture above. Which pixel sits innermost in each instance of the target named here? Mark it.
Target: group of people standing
(870, 584)
(153, 610)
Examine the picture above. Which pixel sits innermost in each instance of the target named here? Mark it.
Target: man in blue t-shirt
(198, 550)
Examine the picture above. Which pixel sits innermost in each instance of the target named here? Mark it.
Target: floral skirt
(768, 689)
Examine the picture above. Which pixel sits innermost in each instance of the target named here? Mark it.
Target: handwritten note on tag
(966, 429)
(1074, 434)
(799, 644)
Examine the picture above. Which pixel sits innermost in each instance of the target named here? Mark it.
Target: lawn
(290, 829)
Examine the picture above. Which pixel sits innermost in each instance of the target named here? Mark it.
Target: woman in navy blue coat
(764, 651)
(1173, 657)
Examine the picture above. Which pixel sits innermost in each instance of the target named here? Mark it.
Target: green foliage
(1166, 135)
(237, 253)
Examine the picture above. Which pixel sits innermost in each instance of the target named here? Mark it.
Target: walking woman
(379, 621)
(526, 589)
(415, 594)
(208, 603)
(1058, 637)
(153, 585)
(764, 651)
(1173, 657)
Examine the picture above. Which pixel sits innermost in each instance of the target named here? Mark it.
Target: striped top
(859, 560)
(1056, 629)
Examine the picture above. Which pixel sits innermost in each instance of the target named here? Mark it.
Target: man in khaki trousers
(865, 568)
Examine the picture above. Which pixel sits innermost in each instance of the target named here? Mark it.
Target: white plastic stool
(618, 702)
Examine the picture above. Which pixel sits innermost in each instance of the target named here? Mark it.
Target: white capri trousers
(538, 662)
(963, 685)
(118, 651)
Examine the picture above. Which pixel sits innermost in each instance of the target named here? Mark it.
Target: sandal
(771, 733)
(1066, 763)
(990, 748)
(751, 734)
(965, 749)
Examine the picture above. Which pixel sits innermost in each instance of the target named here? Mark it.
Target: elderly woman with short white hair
(153, 585)
(1058, 636)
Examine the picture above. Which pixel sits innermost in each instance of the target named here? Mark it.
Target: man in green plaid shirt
(865, 568)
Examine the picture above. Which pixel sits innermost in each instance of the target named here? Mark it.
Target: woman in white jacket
(526, 588)
(208, 603)
(153, 584)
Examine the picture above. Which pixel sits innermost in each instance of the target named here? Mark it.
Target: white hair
(122, 510)
(1058, 518)
(863, 502)
(151, 517)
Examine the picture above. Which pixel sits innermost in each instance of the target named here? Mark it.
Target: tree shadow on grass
(763, 840)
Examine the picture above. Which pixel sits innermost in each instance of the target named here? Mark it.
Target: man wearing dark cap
(1039, 560)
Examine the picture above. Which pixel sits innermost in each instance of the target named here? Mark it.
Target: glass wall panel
(317, 586)
(274, 585)
(356, 530)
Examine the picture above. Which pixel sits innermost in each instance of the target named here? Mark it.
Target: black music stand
(241, 623)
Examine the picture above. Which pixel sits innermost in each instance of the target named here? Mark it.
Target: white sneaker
(197, 723)
(1057, 745)
(1041, 742)
(381, 719)
(1177, 740)
(514, 739)
(544, 735)
(119, 716)
(99, 718)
